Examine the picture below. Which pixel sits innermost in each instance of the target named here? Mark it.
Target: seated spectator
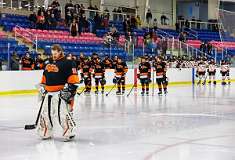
(74, 28)
(14, 63)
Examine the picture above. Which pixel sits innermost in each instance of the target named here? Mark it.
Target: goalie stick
(33, 126)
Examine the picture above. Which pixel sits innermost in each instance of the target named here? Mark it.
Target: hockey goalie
(58, 88)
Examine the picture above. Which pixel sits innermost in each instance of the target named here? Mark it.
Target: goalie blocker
(59, 81)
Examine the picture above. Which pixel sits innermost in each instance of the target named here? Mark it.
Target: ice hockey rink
(190, 123)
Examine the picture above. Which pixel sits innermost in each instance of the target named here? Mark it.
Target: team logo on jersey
(52, 68)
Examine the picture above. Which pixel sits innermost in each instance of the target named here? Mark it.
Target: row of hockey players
(29, 63)
(205, 70)
(95, 68)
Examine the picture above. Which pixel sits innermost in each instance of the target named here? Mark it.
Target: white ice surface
(187, 124)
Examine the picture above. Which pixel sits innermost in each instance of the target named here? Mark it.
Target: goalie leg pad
(44, 128)
(66, 120)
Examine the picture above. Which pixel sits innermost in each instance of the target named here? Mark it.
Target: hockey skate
(147, 93)
(165, 91)
(214, 82)
(118, 93)
(102, 92)
(123, 92)
(96, 92)
(142, 93)
(223, 83)
(160, 93)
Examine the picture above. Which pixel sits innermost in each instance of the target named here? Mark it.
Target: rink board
(20, 82)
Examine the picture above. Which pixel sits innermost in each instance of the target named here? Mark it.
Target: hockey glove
(114, 80)
(68, 93)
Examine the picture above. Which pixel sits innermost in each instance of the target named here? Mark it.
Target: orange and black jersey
(107, 63)
(160, 67)
(39, 64)
(99, 69)
(144, 67)
(57, 73)
(121, 69)
(114, 64)
(27, 63)
(86, 68)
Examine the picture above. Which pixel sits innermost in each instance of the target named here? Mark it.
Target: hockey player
(39, 63)
(120, 73)
(107, 62)
(201, 72)
(99, 75)
(58, 87)
(212, 71)
(224, 70)
(161, 79)
(27, 63)
(144, 75)
(86, 71)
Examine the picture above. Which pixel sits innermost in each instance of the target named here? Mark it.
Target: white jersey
(201, 67)
(224, 68)
(212, 67)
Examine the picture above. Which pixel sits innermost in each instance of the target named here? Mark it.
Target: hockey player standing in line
(212, 71)
(86, 71)
(27, 63)
(224, 70)
(99, 75)
(160, 68)
(120, 75)
(144, 75)
(201, 72)
(58, 88)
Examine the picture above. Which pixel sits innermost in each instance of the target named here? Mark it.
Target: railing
(28, 36)
(200, 25)
(192, 32)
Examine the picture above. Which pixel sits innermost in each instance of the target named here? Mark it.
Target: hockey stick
(131, 90)
(81, 91)
(33, 126)
(153, 83)
(113, 87)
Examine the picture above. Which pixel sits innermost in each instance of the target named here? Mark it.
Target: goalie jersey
(57, 73)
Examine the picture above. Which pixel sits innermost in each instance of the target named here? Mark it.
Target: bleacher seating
(11, 45)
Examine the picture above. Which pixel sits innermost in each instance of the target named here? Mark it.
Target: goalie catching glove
(68, 92)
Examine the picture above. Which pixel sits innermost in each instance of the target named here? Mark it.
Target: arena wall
(19, 82)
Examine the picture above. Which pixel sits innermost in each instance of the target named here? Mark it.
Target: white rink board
(26, 80)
